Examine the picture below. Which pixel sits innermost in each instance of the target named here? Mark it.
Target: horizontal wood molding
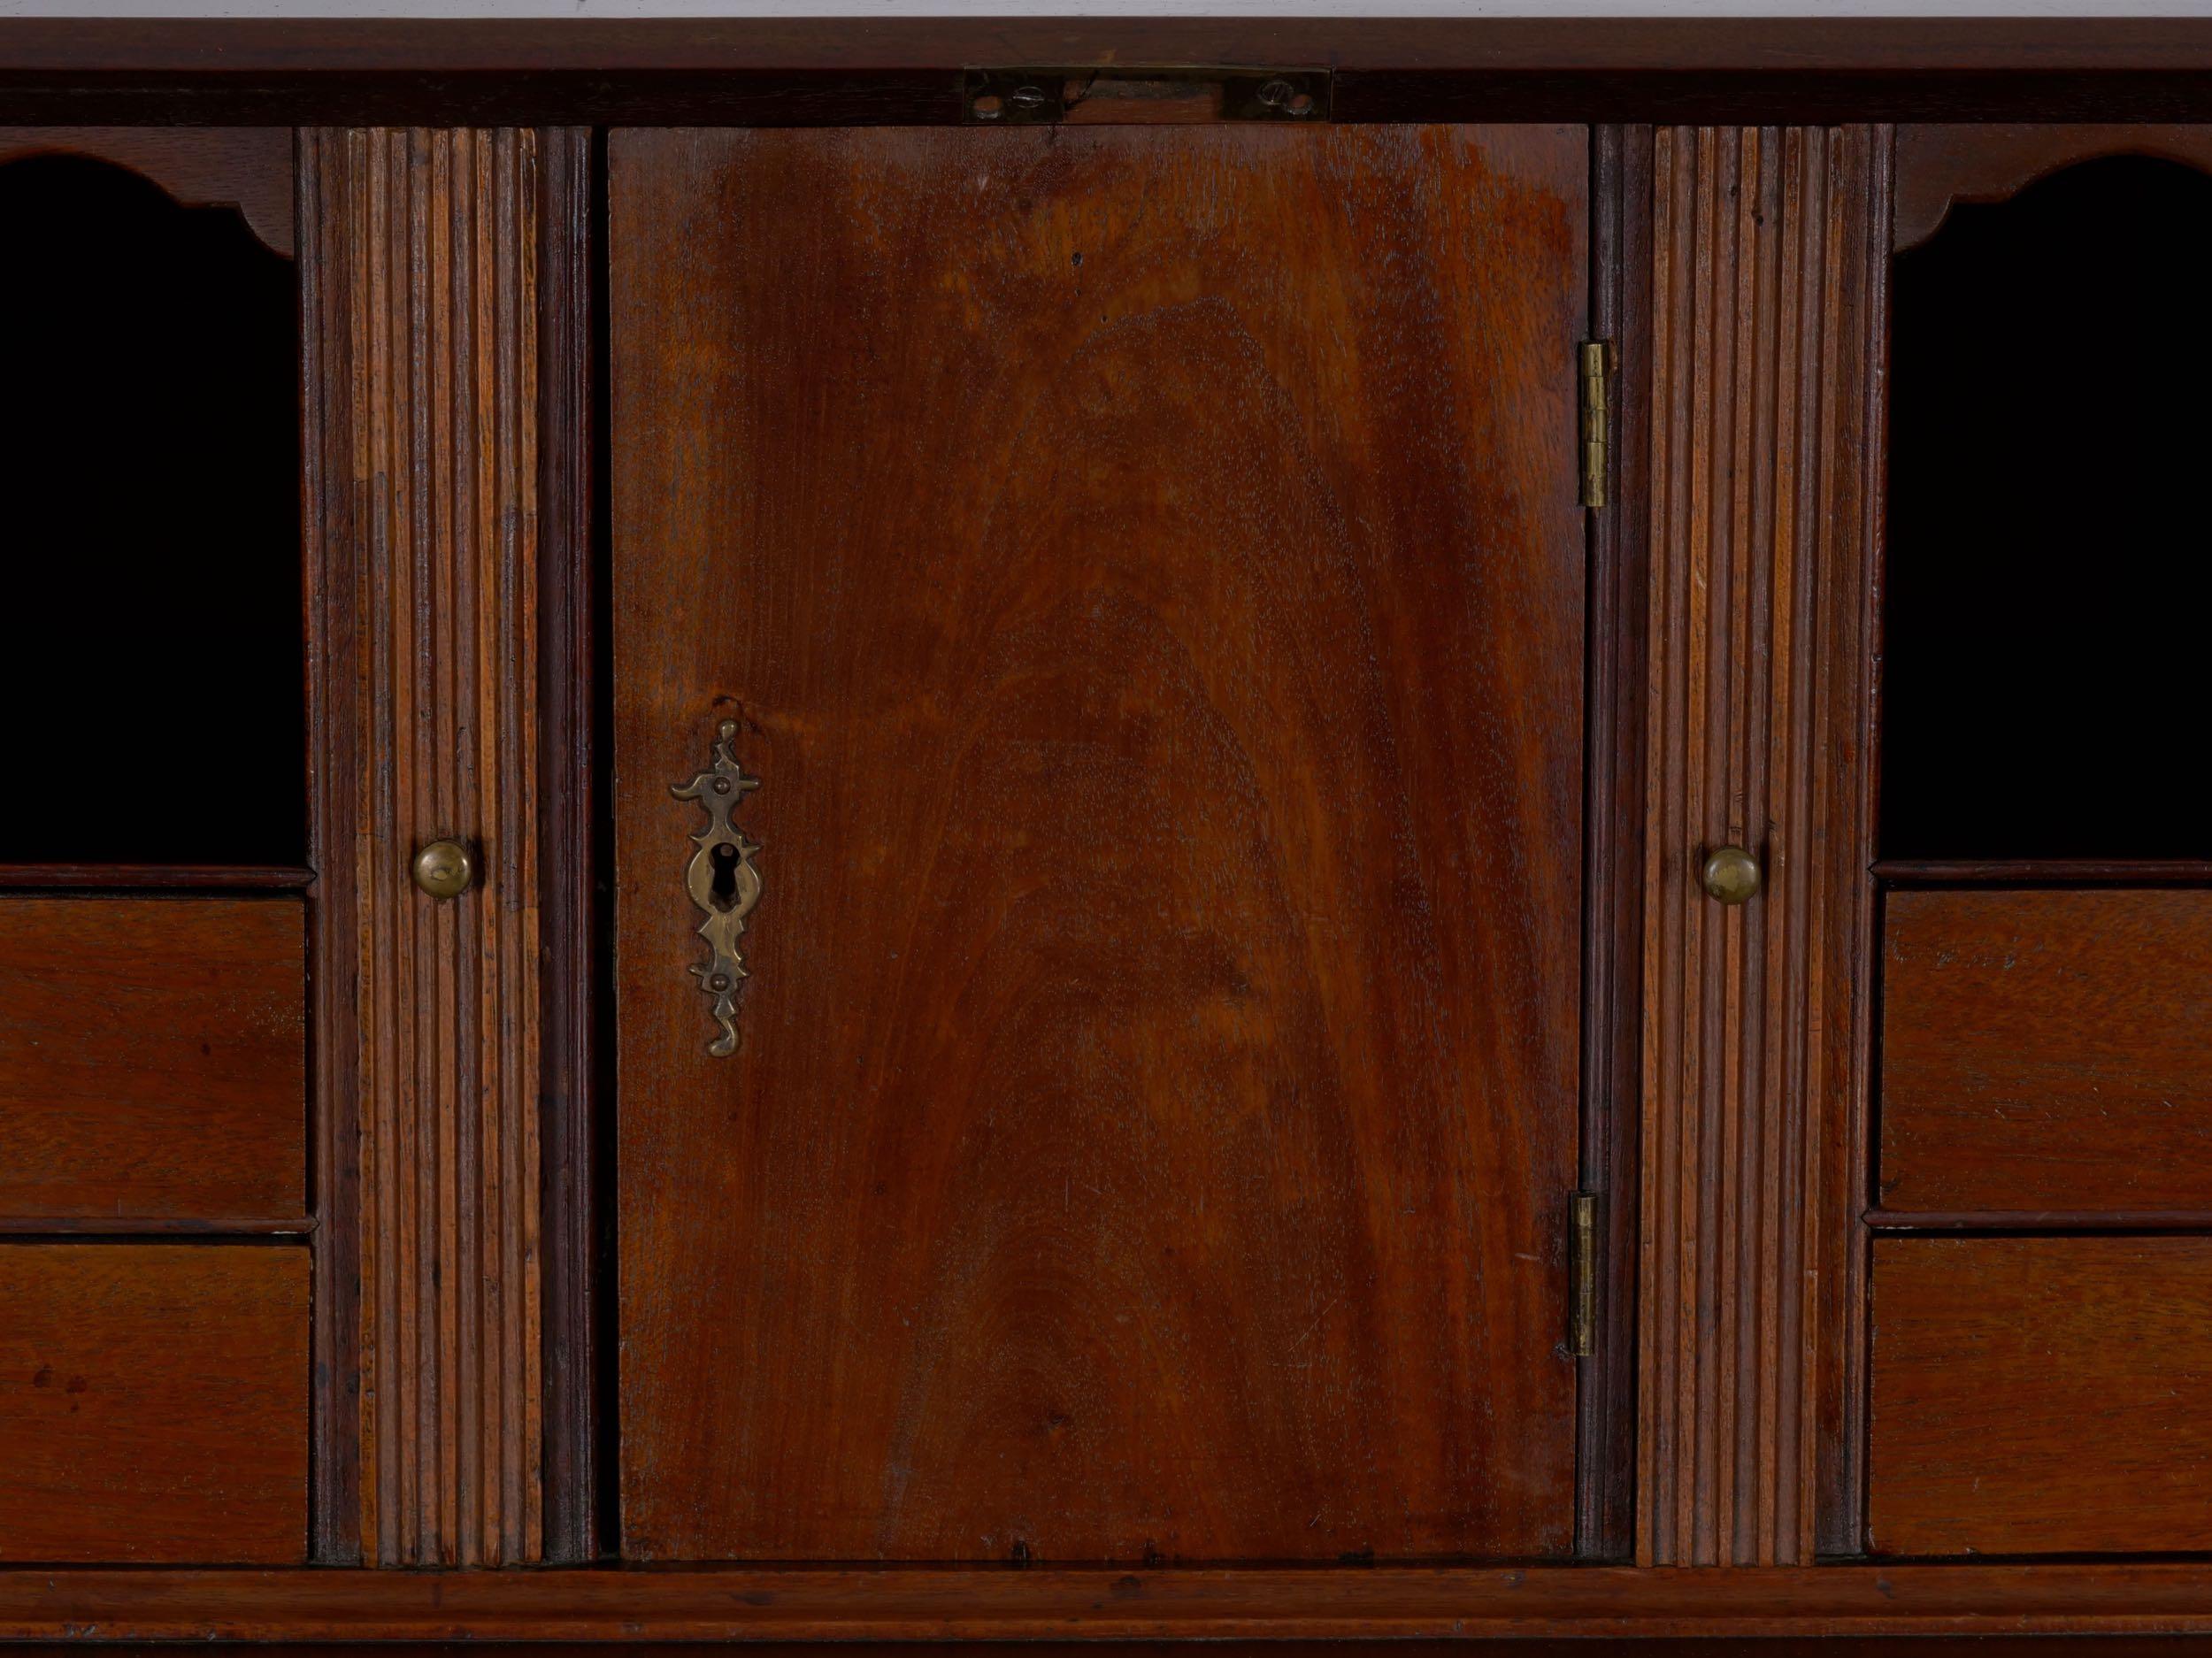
(1763, 324)
(421, 281)
(903, 70)
(1042, 1604)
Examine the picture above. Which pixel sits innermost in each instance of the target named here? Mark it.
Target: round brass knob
(443, 869)
(1732, 876)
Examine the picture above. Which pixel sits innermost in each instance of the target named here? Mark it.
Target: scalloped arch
(1938, 167)
(248, 169)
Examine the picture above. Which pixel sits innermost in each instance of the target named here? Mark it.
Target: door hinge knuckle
(1582, 1266)
(1597, 417)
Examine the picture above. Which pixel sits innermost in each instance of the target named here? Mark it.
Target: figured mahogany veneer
(153, 1060)
(1145, 572)
(153, 1402)
(2046, 1051)
(2041, 1396)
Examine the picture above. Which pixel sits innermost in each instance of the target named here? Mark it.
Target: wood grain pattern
(1145, 570)
(249, 168)
(153, 1402)
(901, 67)
(1763, 242)
(153, 1060)
(423, 444)
(1600, 1605)
(1939, 166)
(2046, 1050)
(2036, 1395)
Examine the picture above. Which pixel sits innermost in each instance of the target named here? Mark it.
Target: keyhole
(724, 859)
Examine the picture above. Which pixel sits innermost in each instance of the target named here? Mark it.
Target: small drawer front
(153, 1403)
(2047, 1052)
(2041, 1396)
(153, 1061)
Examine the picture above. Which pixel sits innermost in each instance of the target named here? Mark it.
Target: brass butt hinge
(1597, 416)
(1582, 1267)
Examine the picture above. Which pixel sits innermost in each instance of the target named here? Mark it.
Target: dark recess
(2047, 681)
(151, 642)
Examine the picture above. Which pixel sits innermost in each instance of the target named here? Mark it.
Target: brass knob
(443, 869)
(1732, 876)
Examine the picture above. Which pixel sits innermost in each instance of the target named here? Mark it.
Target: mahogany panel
(153, 1060)
(1144, 570)
(421, 274)
(2046, 1051)
(1601, 1605)
(153, 1402)
(1766, 322)
(2041, 1396)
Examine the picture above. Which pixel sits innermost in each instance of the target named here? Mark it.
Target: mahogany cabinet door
(1143, 569)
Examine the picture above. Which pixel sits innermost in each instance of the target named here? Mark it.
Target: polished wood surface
(2035, 1395)
(153, 1402)
(1939, 166)
(846, 1604)
(420, 273)
(249, 168)
(903, 68)
(1145, 571)
(2046, 1051)
(1765, 315)
(153, 1060)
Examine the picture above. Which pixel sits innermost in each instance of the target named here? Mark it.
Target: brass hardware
(1582, 1324)
(444, 868)
(1179, 92)
(1732, 876)
(722, 881)
(1597, 413)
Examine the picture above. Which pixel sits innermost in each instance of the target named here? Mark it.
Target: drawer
(153, 1402)
(2041, 1396)
(2046, 1051)
(153, 1061)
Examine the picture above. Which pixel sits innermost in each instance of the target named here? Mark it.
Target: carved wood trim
(247, 168)
(1766, 250)
(1938, 167)
(421, 286)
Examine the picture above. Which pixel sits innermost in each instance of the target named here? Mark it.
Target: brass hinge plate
(1582, 1266)
(1597, 420)
(1091, 94)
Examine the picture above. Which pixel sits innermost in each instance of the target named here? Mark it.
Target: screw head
(717, 982)
(1027, 100)
(721, 786)
(1275, 94)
